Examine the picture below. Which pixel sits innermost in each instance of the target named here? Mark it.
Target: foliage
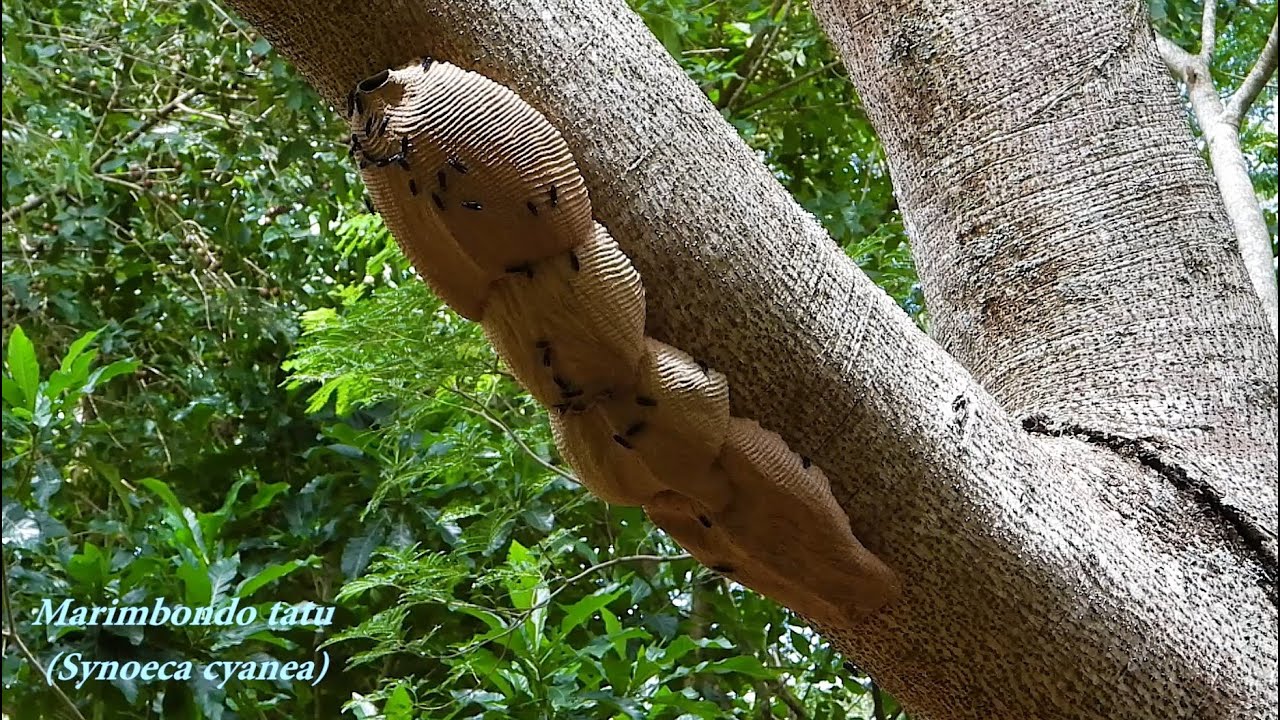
(142, 544)
(222, 380)
(182, 233)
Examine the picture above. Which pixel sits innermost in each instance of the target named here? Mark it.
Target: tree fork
(1030, 588)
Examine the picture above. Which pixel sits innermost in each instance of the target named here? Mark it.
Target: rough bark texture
(1045, 577)
(1061, 220)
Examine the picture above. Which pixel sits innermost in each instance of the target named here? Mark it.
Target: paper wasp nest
(484, 196)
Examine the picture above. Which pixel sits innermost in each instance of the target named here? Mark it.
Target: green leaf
(581, 611)
(112, 475)
(42, 414)
(19, 528)
(399, 706)
(23, 367)
(361, 708)
(221, 573)
(521, 584)
(271, 638)
(678, 648)
(46, 483)
(197, 590)
(268, 574)
(183, 522)
(359, 550)
(103, 374)
(492, 620)
(74, 369)
(166, 495)
(88, 567)
(13, 395)
(58, 382)
(76, 348)
(741, 664)
(264, 496)
(211, 523)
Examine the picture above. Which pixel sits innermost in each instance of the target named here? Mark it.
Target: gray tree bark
(1093, 532)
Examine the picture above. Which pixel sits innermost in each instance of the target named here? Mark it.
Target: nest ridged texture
(483, 194)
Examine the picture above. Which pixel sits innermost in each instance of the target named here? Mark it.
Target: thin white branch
(1253, 83)
(1208, 30)
(1175, 58)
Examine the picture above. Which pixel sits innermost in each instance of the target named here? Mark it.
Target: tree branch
(1208, 30)
(766, 97)
(1219, 123)
(935, 476)
(1175, 58)
(1257, 78)
(788, 698)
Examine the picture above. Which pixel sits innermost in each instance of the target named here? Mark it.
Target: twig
(755, 56)
(524, 615)
(877, 700)
(11, 633)
(120, 181)
(1175, 58)
(212, 117)
(793, 703)
(208, 319)
(616, 561)
(146, 125)
(92, 44)
(168, 459)
(35, 201)
(766, 97)
(479, 410)
(225, 16)
(102, 122)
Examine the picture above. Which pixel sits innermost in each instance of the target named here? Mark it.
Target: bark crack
(1234, 523)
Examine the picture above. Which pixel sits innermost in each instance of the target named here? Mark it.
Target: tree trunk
(1117, 559)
